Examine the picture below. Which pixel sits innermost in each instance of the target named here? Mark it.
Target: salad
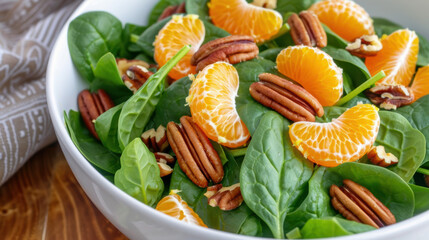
(284, 119)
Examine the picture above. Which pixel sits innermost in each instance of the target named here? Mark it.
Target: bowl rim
(61, 132)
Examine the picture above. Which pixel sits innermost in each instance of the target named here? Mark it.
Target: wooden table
(43, 200)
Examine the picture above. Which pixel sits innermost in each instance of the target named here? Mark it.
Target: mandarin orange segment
(240, 18)
(398, 58)
(346, 18)
(315, 70)
(179, 31)
(212, 102)
(420, 84)
(345, 139)
(173, 205)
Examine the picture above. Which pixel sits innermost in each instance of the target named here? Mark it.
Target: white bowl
(135, 219)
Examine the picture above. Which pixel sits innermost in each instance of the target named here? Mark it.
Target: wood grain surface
(43, 200)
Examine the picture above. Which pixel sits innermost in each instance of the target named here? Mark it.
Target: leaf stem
(134, 38)
(423, 171)
(368, 83)
(238, 152)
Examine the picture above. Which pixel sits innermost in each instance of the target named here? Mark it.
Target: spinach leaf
(106, 126)
(286, 6)
(198, 7)
(357, 100)
(354, 67)
(274, 174)
(317, 204)
(147, 38)
(139, 174)
(421, 196)
(270, 54)
(332, 227)
(108, 78)
(137, 110)
(91, 149)
(333, 39)
(416, 114)
(213, 32)
(159, 8)
(237, 220)
(386, 185)
(172, 105)
(90, 36)
(383, 26)
(398, 137)
(129, 48)
(248, 109)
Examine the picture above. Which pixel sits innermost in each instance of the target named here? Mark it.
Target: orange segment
(212, 102)
(173, 205)
(420, 84)
(345, 139)
(346, 18)
(315, 70)
(179, 31)
(240, 18)
(398, 58)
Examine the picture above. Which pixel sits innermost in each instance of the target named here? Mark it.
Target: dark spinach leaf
(213, 32)
(286, 6)
(106, 126)
(332, 227)
(249, 110)
(416, 114)
(129, 48)
(421, 196)
(91, 149)
(139, 174)
(270, 54)
(386, 185)
(274, 174)
(317, 204)
(90, 36)
(198, 7)
(147, 38)
(159, 8)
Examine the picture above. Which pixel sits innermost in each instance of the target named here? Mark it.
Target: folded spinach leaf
(90, 36)
(416, 114)
(198, 7)
(421, 196)
(386, 185)
(98, 155)
(139, 173)
(270, 54)
(238, 220)
(106, 126)
(138, 109)
(128, 48)
(274, 174)
(249, 110)
(159, 8)
(332, 227)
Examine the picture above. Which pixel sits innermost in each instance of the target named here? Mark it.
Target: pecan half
(271, 4)
(135, 77)
(226, 198)
(156, 141)
(288, 99)
(170, 10)
(357, 203)
(232, 49)
(390, 97)
(367, 45)
(92, 105)
(378, 156)
(306, 29)
(194, 152)
(123, 64)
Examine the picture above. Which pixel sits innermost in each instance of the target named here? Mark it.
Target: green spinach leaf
(90, 36)
(416, 114)
(421, 196)
(91, 149)
(286, 6)
(139, 174)
(270, 54)
(198, 7)
(213, 32)
(106, 126)
(332, 227)
(147, 38)
(137, 110)
(386, 186)
(159, 8)
(129, 48)
(333, 39)
(274, 174)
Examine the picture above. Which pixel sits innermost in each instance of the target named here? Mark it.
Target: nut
(367, 45)
(378, 156)
(285, 97)
(271, 4)
(92, 105)
(357, 203)
(135, 77)
(226, 198)
(156, 141)
(164, 158)
(232, 49)
(427, 180)
(123, 64)
(390, 97)
(164, 169)
(306, 29)
(194, 152)
(170, 10)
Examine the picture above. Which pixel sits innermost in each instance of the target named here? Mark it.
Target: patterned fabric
(28, 29)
